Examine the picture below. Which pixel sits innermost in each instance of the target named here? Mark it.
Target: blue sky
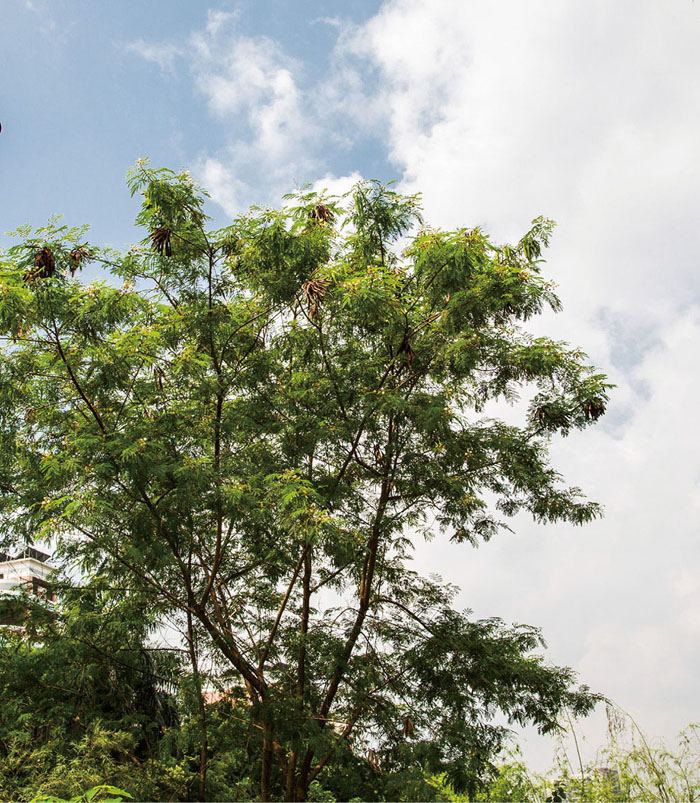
(79, 106)
(496, 112)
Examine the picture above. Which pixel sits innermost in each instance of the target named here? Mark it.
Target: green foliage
(98, 794)
(264, 413)
(83, 702)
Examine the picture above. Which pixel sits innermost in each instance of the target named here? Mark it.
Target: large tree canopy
(253, 426)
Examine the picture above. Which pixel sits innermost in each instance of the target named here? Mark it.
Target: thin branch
(283, 605)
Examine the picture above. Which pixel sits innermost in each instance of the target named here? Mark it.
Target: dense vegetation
(235, 447)
(88, 705)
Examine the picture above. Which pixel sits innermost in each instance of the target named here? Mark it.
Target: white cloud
(47, 25)
(162, 54)
(501, 111)
(252, 83)
(216, 20)
(588, 113)
(252, 87)
(283, 118)
(336, 185)
(221, 183)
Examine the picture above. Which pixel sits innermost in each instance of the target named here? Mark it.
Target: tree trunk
(203, 747)
(266, 773)
(289, 793)
(301, 791)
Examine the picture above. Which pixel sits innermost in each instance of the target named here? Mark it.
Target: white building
(29, 569)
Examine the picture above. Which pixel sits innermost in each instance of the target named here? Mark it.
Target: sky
(496, 112)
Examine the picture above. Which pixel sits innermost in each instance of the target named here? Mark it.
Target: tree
(251, 429)
(83, 701)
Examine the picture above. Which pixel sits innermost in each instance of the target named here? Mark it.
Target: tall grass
(628, 767)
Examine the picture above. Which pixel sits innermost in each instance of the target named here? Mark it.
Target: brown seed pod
(78, 255)
(160, 239)
(321, 214)
(593, 409)
(548, 415)
(405, 349)
(313, 292)
(158, 377)
(44, 265)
